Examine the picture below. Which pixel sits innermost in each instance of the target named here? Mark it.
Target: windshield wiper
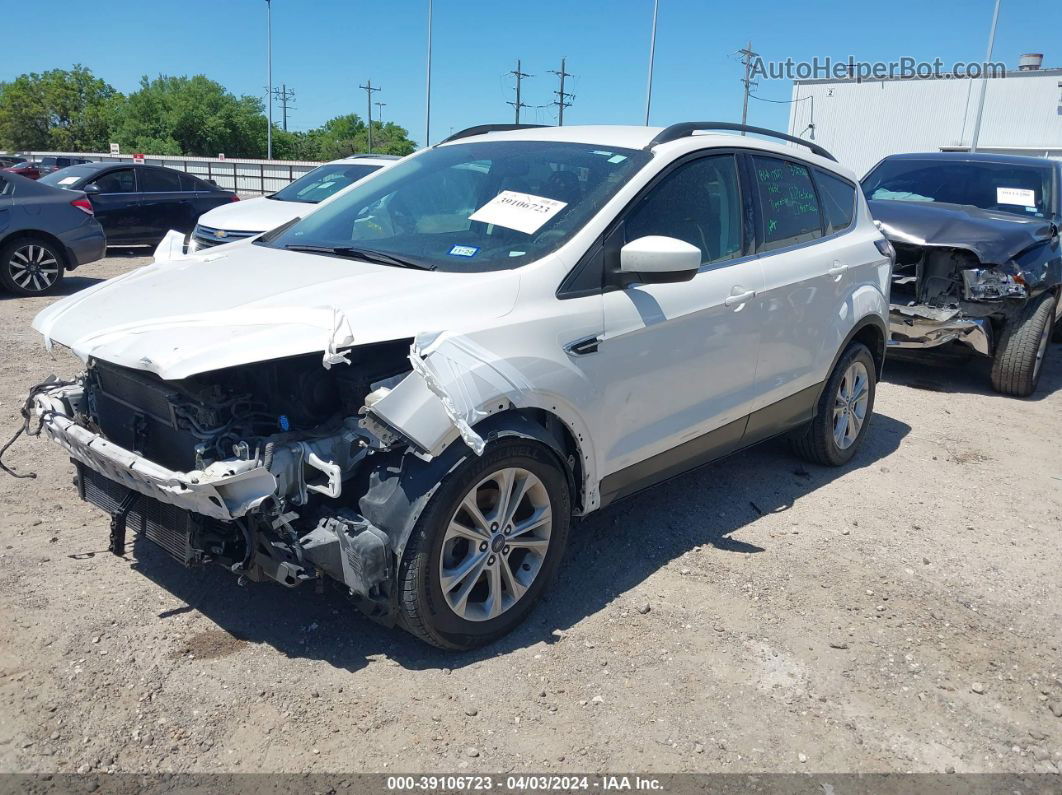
(377, 257)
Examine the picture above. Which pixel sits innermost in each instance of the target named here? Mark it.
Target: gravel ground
(902, 613)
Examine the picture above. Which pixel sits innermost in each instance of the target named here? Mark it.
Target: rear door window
(159, 180)
(789, 210)
(838, 201)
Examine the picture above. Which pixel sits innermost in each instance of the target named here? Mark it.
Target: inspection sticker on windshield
(463, 251)
(523, 212)
(1018, 196)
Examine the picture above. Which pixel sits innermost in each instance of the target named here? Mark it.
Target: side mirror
(91, 188)
(656, 259)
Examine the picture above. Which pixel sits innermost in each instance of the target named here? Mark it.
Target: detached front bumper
(225, 490)
(926, 327)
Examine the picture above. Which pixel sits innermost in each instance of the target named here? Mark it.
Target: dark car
(44, 232)
(6, 161)
(978, 259)
(138, 204)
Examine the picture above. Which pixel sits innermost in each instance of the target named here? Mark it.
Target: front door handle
(837, 269)
(737, 299)
(583, 347)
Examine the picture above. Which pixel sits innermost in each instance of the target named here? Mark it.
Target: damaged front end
(260, 467)
(962, 274)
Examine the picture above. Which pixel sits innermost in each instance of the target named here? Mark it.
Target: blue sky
(324, 49)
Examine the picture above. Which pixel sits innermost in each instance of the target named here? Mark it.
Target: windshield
(66, 177)
(1006, 187)
(322, 182)
(472, 206)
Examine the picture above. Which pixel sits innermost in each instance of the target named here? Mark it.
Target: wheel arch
(29, 234)
(401, 483)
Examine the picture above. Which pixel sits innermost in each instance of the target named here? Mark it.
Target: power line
(520, 75)
(562, 96)
(284, 96)
(368, 88)
(746, 58)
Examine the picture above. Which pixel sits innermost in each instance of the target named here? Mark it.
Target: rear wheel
(485, 548)
(31, 266)
(843, 411)
(1057, 337)
(1019, 357)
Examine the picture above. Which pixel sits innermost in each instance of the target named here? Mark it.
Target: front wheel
(843, 412)
(1019, 357)
(487, 545)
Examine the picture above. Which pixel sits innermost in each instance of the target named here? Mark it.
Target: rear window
(838, 201)
(789, 208)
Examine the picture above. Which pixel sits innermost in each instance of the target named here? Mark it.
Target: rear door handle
(739, 298)
(837, 269)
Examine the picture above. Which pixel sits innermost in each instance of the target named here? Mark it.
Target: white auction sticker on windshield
(523, 212)
(1018, 196)
(68, 180)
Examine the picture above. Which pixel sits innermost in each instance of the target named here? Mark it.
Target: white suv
(238, 220)
(412, 390)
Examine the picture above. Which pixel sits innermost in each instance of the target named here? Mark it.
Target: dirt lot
(900, 614)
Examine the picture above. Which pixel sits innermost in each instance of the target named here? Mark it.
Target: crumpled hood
(254, 215)
(993, 237)
(253, 303)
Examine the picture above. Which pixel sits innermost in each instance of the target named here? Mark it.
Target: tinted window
(322, 182)
(699, 202)
(120, 181)
(470, 206)
(838, 201)
(789, 209)
(1025, 190)
(159, 180)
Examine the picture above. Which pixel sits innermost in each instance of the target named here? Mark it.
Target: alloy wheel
(850, 405)
(33, 267)
(495, 544)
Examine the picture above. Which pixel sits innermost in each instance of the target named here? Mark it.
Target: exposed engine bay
(196, 452)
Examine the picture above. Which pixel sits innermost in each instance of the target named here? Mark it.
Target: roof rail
(687, 128)
(480, 129)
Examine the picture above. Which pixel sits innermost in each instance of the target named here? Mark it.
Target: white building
(861, 121)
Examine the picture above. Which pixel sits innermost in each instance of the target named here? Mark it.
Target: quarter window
(789, 208)
(838, 201)
(700, 203)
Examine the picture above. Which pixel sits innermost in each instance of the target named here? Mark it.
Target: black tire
(1057, 335)
(31, 266)
(815, 441)
(423, 608)
(1019, 356)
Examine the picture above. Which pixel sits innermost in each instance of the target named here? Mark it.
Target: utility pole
(379, 110)
(519, 76)
(369, 88)
(984, 81)
(284, 97)
(746, 58)
(561, 102)
(427, 87)
(269, 78)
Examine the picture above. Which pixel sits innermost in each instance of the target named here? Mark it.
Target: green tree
(348, 135)
(58, 110)
(191, 116)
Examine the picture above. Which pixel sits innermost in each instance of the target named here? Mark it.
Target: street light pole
(652, 55)
(269, 79)
(427, 89)
(984, 81)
